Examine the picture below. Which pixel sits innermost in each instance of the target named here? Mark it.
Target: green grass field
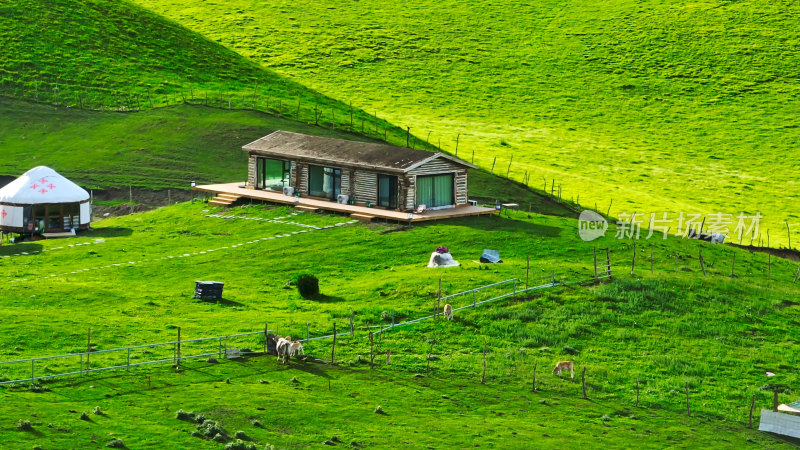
(135, 286)
(662, 106)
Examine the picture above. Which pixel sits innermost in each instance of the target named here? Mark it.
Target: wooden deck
(360, 212)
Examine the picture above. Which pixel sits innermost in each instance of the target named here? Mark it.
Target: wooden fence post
(775, 400)
(651, 261)
(333, 347)
(352, 316)
(733, 265)
(266, 333)
(528, 270)
(438, 300)
(583, 383)
(371, 351)
(533, 385)
(789, 235)
(88, 348)
(596, 279)
(509, 166)
(702, 263)
(797, 275)
(493, 163)
(637, 393)
(752, 405)
(458, 136)
(388, 357)
(178, 361)
(633, 262)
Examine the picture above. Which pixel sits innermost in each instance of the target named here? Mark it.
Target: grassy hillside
(135, 286)
(114, 55)
(661, 106)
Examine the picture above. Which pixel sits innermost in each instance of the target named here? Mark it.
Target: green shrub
(98, 411)
(240, 435)
(116, 443)
(241, 445)
(185, 415)
(24, 425)
(211, 429)
(308, 286)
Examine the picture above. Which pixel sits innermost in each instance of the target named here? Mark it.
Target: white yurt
(42, 201)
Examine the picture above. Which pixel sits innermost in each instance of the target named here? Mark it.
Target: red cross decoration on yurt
(41, 188)
(3, 213)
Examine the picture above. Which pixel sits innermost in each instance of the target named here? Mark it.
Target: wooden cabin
(358, 173)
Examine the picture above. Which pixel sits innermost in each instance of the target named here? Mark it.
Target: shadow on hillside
(18, 249)
(223, 302)
(501, 223)
(107, 232)
(325, 298)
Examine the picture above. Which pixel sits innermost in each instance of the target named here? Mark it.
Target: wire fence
(124, 358)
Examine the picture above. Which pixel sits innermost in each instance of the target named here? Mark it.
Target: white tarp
(42, 185)
(86, 213)
(11, 216)
(442, 260)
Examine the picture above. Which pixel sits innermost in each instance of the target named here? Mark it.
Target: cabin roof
(287, 145)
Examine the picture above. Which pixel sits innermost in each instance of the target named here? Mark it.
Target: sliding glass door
(435, 191)
(387, 191)
(272, 174)
(324, 182)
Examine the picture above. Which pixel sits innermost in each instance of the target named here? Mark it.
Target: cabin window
(272, 174)
(435, 191)
(387, 191)
(324, 182)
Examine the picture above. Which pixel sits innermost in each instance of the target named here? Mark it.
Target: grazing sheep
(565, 365)
(295, 348)
(282, 346)
(448, 311)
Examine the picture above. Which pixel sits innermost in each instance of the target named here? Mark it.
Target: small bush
(241, 436)
(38, 388)
(24, 425)
(98, 411)
(569, 350)
(85, 417)
(210, 429)
(379, 410)
(185, 415)
(219, 438)
(116, 443)
(308, 286)
(241, 445)
(200, 418)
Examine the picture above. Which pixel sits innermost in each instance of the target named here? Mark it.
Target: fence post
(596, 279)
(266, 333)
(33, 372)
(702, 264)
(633, 262)
(333, 347)
(129, 359)
(307, 332)
(439, 299)
(474, 304)
(220, 348)
(733, 265)
(528, 270)
(752, 405)
(88, 348)
(515, 288)
(81, 364)
(637, 393)
(351, 323)
(178, 347)
(533, 386)
(392, 318)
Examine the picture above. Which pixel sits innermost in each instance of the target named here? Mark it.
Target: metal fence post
(473, 300)
(129, 359)
(81, 364)
(33, 373)
(515, 289)
(392, 318)
(220, 348)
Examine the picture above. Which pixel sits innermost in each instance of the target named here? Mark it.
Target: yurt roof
(42, 185)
